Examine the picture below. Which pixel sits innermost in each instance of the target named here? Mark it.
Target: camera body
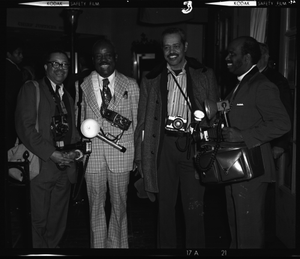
(59, 126)
(223, 106)
(176, 123)
(84, 146)
(117, 119)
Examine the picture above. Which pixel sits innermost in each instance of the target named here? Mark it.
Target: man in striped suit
(108, 168)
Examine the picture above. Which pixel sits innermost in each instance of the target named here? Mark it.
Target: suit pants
(116, 236)
(49, 209)
(176, 171)
(245, 208)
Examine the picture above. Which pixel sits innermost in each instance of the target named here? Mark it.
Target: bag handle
(213, 154)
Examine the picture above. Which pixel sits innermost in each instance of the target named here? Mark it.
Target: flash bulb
(199, 115)
(90, 128)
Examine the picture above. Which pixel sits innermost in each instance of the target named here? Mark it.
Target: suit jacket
(285, 96)
(125, 102)
(201, 85)
(41, 143)
(258, 112)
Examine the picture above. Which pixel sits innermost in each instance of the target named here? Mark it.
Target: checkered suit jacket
(124, 102)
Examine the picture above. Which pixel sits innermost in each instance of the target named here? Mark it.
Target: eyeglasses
(55, 65)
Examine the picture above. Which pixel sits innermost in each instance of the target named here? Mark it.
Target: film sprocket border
(117, 119)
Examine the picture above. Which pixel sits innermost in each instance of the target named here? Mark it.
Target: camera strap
(185, 97)
(56, 97)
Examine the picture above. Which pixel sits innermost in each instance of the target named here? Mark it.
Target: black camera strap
(59, 101)
(185, 97)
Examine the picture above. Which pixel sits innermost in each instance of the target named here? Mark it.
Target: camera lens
(178, 123)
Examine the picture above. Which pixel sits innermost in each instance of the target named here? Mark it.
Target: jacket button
(153, 135)
(152, 152)
(155, 118)
(157, 102)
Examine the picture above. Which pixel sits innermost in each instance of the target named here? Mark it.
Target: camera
(117, 119)
(59, 126)
(176, 123)
(84, 146)
(75, 151)
(223, 106)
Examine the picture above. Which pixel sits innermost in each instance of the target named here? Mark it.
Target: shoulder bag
(228, 162)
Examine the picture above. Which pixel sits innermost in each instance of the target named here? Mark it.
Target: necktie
(57, 91)
(106, 95)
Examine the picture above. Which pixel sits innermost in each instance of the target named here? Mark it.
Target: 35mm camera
(176, 123)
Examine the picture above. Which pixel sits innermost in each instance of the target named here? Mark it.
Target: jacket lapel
(88, 88)
(120, 91)
(45, 88)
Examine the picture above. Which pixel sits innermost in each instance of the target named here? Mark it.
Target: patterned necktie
(106, 95)
(57, 91)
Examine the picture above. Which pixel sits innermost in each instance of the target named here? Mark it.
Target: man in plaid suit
(108, 168)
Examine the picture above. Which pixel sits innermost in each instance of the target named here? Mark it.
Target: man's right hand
(61, 158)
(139, 168)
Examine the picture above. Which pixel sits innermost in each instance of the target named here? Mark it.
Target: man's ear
(248, 58)
(186, 46)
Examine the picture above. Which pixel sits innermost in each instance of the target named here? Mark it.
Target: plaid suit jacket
(124, 102)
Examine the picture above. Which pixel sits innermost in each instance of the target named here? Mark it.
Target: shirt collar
(183, 68)
(13, 63)
(61, 86)
(240, 78)
(110, 78)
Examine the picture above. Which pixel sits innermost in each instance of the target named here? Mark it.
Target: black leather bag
(225, 163)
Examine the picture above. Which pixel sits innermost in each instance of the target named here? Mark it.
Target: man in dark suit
(281, 144)
(50, 189)
(256, 116)
(164, 153)
(13, 83)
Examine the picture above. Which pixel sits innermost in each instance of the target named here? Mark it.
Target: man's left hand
(232, 135)
(277, 152)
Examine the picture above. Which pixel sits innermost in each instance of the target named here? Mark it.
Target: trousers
(115, 235)
(245, 209)
(49, 210)
(176, 172)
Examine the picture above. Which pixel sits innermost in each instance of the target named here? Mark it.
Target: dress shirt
(177, 105)
(61, 88)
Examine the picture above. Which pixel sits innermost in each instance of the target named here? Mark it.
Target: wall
(121, 25)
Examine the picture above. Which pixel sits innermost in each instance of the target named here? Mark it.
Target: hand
(277, 152)
(232, 135)
(139, 168)
(61, 158)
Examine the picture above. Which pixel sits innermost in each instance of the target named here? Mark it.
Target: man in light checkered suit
(108, 169)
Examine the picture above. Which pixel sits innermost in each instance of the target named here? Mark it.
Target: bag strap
(37, 103)
(37, 107)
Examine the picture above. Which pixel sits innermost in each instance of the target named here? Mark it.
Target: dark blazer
(286, 97)
(41, 143)
(201, 85)
(258, 112)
